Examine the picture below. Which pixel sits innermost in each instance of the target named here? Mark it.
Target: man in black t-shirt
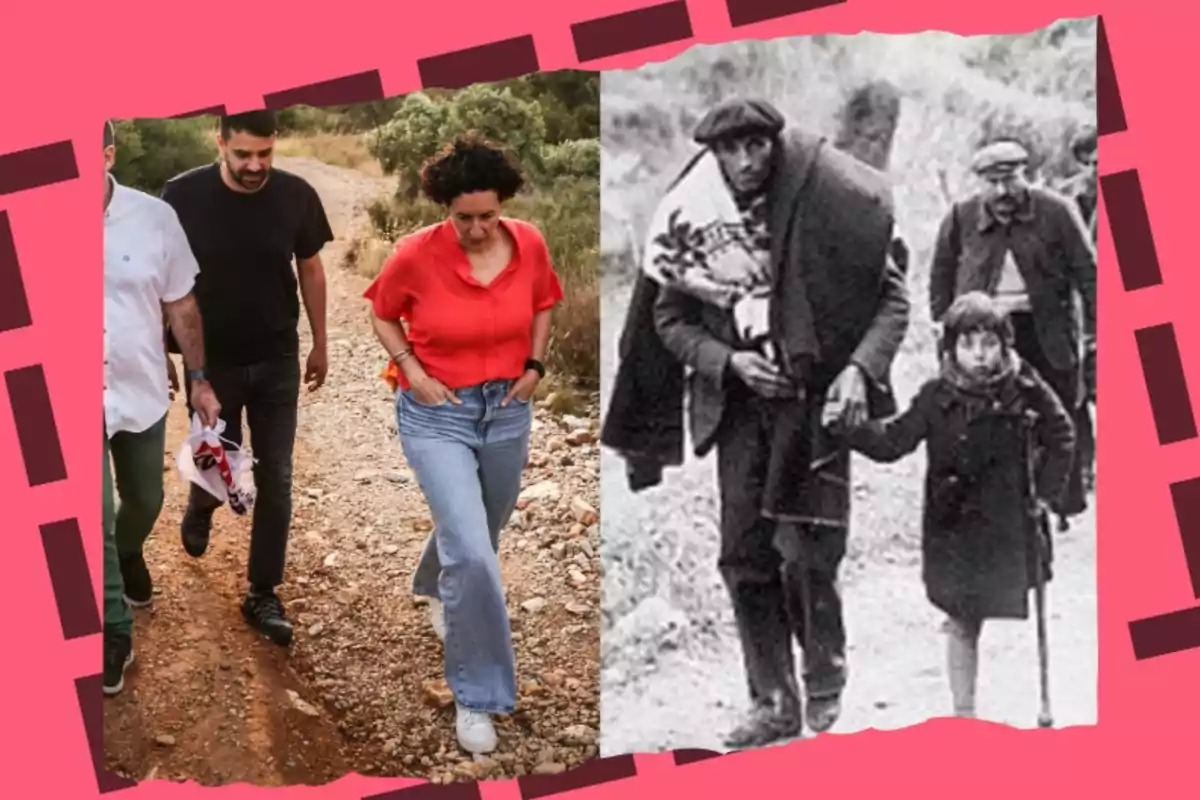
(246, 221)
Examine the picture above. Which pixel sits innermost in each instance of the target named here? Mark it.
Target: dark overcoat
(979, 527)
(831, 228)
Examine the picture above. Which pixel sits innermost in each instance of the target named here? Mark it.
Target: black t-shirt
(245, 242)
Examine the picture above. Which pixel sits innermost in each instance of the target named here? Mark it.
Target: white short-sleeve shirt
(147, 262)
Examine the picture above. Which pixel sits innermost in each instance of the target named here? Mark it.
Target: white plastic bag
(218, 466)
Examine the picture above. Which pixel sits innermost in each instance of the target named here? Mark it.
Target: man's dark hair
(261, 123)
(470, 164)
(110, 134)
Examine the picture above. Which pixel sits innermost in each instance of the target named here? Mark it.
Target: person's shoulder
(526, 233)
(288, 178)
(931, 390)
(1035, 391)
(194, 177)
(936, 397)
(853, 174)
(1028, 377)
(416, 243)
(153, 207)
(1051, 202)
(968, 208)
(293, 182)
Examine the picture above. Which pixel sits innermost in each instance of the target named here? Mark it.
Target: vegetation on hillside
(550, 121)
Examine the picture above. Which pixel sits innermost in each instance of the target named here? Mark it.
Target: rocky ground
(361, 689)
(673, 675)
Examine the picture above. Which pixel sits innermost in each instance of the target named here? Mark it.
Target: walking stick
(1041, 534)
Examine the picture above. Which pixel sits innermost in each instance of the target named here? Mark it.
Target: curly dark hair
(470, 164)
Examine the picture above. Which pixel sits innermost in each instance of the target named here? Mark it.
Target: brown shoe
(764, 726)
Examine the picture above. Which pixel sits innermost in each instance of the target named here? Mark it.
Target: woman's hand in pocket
(431, 392)
(522, 388)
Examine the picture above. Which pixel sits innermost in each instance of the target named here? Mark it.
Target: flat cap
(1004, 156)
(739, 117)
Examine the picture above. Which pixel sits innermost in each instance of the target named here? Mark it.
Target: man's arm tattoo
(184, 317)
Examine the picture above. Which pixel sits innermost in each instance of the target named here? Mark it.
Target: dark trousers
(782, 578)
(268, 393)
(1066, 384)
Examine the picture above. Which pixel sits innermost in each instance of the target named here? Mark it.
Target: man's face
(247, 158)
(1005, 189)
(745, 161)
(1087, 160)
(110, 158)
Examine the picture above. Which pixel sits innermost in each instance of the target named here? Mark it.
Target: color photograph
(351, 485)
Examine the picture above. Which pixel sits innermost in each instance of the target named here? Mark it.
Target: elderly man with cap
(1027, 247)
(768, 292)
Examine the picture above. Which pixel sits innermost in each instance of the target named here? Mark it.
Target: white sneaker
(437, 618)
(475, 731)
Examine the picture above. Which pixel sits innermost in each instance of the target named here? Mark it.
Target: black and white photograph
(848, 341)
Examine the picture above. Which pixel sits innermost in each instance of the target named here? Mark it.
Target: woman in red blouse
(476, 292)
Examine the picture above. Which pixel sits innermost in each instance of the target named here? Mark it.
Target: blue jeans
(468, 460)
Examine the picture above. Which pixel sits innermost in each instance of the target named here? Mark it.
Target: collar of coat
(1009, 395)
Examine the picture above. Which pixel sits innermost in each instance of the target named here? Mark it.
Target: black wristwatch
(536, 366)
(197, 376)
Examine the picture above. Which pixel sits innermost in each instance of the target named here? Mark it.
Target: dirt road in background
(361, 689)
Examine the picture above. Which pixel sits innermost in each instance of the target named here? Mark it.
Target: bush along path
(361, 689)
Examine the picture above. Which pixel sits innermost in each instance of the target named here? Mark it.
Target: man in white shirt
(149, 271)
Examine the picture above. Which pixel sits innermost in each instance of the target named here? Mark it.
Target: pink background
(66, 70)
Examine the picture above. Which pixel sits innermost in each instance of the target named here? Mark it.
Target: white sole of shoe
(111, 690)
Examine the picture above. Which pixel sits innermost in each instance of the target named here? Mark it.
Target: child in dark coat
(980, 526)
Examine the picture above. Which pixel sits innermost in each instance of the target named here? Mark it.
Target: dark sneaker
(264, 612)
(118, 655)
(139, 589)
(195, 529)
(822, 713)
(764, 726)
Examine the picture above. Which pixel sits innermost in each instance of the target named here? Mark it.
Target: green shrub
(152, 151)
(424, 124)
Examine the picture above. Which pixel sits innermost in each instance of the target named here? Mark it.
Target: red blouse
(462, 332)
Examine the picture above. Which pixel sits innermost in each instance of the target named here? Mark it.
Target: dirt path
(361, 688)
(673, 675)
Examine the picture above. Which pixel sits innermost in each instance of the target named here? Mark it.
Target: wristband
(536, 366)
(197, 375)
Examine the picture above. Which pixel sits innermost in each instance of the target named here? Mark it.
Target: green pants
(132, 503)
(117, 618)
(137, 460)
